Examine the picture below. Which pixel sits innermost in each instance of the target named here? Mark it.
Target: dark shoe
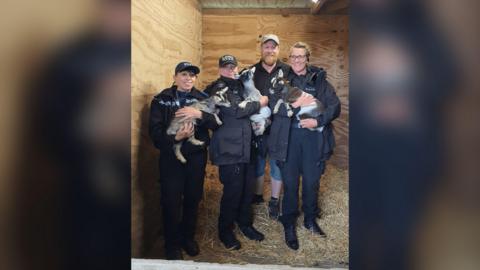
(229, 240)
(191, 247)
(291, 237)
(257, 199)
(173, 254)
(313, 227)
(274, 209)
(251, 233)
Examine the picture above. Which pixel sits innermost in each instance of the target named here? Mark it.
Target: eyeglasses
(297, 57)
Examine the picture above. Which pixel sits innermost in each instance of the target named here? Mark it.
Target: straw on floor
(314, 251)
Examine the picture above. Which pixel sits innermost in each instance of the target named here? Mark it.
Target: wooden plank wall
(327, 35)
(163, 34)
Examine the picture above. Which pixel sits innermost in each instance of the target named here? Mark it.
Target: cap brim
(193, 69)
(228, 62)
(271, 40)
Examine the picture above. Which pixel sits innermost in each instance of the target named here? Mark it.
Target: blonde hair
(302, 45)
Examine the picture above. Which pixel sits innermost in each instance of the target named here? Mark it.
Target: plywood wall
(327, 35)
(163, 34)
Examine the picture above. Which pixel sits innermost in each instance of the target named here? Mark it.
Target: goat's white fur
(259, 120)
(310, 109)
(207, 105)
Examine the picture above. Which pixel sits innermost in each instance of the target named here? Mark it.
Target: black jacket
(231, 142)
(315, 83)
(162, 111)
(262, 80)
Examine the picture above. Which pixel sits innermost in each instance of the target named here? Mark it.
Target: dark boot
(274, 209)
(173, 254)
(251, 233)
(291, 237)
(229, 240)
(312, 226)
(257, 199)
(190, 247)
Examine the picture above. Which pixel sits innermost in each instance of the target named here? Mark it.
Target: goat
(251, 93)
(207, 105)
(289, 94)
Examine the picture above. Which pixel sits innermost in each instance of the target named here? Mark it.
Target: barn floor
(313, 252)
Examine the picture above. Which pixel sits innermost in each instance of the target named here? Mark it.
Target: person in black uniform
(265, 70)
(181, 184)
(230, 150)
(307, 150)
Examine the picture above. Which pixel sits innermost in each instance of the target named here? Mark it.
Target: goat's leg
(289, 110)
(243, 104)
(194, 141)
(277, 106)
(178, 153)
(217, 119)
(260, 127)
(319, 129)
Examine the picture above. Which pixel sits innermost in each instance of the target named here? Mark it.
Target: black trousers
(303, 158)
(181, 191)
(238, 183)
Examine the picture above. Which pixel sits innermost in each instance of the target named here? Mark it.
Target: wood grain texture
(234, 4)
(250, 11)
(327, 35)
(163, 34)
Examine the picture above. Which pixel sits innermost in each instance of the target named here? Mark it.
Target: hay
(314, 251)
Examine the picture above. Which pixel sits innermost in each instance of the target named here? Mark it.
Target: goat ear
(253, 69)
(280, 73)
(243, 71)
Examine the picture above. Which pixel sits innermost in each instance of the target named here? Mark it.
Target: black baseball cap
(186, 66)
(227, 59)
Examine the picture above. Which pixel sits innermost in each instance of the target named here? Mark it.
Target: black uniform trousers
(181, 188)
(238, 183)
(303, 158)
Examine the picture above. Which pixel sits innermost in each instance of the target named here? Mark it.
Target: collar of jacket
(172, 93)
(278, 65)
(230, 82)
(312, 73)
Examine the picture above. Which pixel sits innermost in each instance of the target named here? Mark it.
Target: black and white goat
(251, 93)
(289, 94)
(208, 105)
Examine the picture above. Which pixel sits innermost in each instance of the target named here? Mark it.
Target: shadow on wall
(148, 183)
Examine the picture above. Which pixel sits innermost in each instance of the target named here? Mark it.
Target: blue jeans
(261, 162)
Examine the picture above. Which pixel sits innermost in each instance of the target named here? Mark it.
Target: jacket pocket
(231, 142)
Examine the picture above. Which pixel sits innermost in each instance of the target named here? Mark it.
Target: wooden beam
(317, 6)
(254, 11)
(337, 7)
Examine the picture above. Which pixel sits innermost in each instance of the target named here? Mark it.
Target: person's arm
(203, 119)
(158, 126)
(326, 94)
(208, 121)
(252, 107)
